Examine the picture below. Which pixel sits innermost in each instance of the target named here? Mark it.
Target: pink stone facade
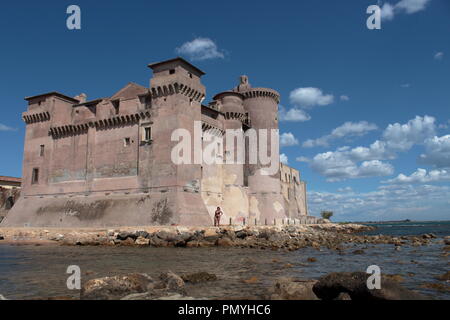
(107, 162)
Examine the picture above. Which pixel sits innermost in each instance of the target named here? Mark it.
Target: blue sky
(365, 112)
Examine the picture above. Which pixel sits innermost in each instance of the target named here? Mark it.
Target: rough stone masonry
(107, 162)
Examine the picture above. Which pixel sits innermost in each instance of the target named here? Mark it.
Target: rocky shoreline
(171, 286)
(334, 286)
(289, 237)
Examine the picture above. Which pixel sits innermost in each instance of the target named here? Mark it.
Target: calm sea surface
(28, 272)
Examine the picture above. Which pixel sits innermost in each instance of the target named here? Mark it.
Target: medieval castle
(107, 162)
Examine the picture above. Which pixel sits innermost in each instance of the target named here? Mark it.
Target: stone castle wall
(107, 162)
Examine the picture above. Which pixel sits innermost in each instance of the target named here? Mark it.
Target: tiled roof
(10, 179)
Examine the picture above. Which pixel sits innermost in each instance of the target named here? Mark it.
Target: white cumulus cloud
(287, 139)
(350, 163)
(283, 158)
(348, 129)
(310, 97)
(437, 152)
(383, 202)
(388, 10)
(293, 115)
(200, 49)
(421, 176)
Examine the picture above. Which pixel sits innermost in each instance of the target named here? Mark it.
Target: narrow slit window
(41, 150)
(35, 176)
(126, 142)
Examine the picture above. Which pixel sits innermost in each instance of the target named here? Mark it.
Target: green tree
(326, 214)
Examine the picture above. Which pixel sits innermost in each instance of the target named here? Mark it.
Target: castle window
(190, 75)
(126, 142)
(41, 151)
(35, 176)
(146, 133)
(171, 71)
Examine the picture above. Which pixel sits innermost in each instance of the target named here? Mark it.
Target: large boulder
(113, 288)
(292, 289)
(171, 282)
(330, 286)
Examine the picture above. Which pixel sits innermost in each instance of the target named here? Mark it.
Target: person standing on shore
(217, 216)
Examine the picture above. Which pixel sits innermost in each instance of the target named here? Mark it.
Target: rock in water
(112, 288)
(292, 289)
(444, 277)
(355, 284)
(199, 277)
(141, 241)
(171, 282)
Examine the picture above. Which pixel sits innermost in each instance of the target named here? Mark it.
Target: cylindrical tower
(264, 184)
(231, 105)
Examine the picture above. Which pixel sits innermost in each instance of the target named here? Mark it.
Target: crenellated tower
(266, 200)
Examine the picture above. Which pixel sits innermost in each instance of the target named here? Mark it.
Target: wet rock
(58, 237)
(112, 288)
(343, 296)
(311, 259)
(444, 277)
(157, 242)
(141, 241)
(198, 277)
(447, 241)
(359, 251)
(205, 243)
(355, 284)
(127, 242)
(167, 236)
(186, 236)
(224, 242)
(171, 281)
(292, 289)
(242, 234)
(124, 235)
(142, 234)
